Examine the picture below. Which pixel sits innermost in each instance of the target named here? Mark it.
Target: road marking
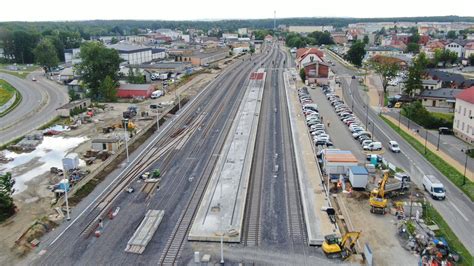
(459, 211)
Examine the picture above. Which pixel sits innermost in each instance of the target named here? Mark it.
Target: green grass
(385, 99)
(446, 116)
(14, 105)
(6, 92)
(450, 172)
(431, 215)
(19, 74)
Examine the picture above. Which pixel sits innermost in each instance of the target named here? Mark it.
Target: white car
(394, 147)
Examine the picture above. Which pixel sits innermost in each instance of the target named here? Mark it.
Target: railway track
(177, 239)
(295, 217)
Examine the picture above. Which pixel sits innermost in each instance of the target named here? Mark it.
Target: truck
(398, 183)
(152, 177)
(434, 187)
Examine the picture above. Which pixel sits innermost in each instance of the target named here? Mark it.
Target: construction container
(358, 176)
(71, 161)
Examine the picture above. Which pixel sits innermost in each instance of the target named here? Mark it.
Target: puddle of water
(49, 153)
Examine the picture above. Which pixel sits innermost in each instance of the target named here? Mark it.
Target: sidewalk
(449, 160)
(375, 95)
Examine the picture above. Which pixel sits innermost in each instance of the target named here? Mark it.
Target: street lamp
(125, 126)
(439, 136)
(426, 138)
(366, 115)
(65, 183)
(465, 166)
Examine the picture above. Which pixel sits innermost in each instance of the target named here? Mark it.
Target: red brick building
(316, 72)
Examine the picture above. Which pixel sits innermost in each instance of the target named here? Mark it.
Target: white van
(374, 146)
(156, 94)
(434, 187)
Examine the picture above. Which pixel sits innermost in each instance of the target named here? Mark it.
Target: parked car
(374, 146)
(394, 147)
(366, 142)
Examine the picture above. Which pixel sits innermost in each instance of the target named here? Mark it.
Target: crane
(334, 247)
(377, 199)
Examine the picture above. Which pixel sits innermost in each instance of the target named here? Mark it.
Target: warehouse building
(133, 54)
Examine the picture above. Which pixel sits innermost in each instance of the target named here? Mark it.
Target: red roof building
(310, 54)
(135, 90)
(463, 123)
(467, 95)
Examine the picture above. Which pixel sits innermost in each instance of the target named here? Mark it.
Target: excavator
(343, 248)
(377, 200)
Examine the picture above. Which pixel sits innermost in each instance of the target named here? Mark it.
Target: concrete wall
(137, 58)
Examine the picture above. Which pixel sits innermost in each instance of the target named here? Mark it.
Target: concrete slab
(313, 193)
(222, 208)
(145, 231)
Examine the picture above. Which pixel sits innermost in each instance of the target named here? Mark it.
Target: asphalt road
(447, 143)
(457, 209)
(38, 106)
(183, 168)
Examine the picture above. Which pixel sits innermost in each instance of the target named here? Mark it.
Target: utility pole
(125, 127)
(274, 19)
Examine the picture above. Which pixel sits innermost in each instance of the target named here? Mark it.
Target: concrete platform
(223, 204)
(313, 193)
(145, 231)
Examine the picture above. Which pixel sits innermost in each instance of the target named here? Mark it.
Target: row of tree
(314, 38)
(19, 45)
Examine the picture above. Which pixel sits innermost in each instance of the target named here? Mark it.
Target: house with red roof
(430, 48)
(463, 125)
(306, 55)
(468, 49)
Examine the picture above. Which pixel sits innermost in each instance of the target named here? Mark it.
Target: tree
(445, 56)
(109, 89)
(135, 77)
(412, 47)
(23, 45)
(114, 40)
(7, 206)
(356, 53)
(451, 34)
(45, 54)
(98, 62)
(366, 39)
(471, 59)
(303, 75)
(252, 50)
(415, 72)
(386, 67)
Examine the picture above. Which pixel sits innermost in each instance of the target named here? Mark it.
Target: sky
(60, 10)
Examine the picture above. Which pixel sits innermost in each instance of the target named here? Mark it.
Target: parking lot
(340, 137)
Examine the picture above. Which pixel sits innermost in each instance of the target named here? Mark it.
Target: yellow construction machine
(377, 200)
(334, 247)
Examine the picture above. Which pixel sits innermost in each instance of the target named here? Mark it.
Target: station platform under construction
(221, 212)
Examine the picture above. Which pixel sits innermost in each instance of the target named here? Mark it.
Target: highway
(274, 216)
(38, 106)
(185, 150)
(457, 209)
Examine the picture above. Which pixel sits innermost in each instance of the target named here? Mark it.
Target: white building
(71, 56)
(463, 125)
(309, 29)
(242, 31)
(170, 33)
(186, 38)
(230, 36)
(455, 47)
(133, 54)
(158, 53)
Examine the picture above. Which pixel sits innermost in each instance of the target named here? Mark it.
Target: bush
(416, 112)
